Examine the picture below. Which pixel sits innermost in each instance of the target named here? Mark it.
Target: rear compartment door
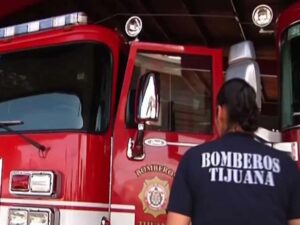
(189, 80)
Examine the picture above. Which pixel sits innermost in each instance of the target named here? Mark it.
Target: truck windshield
(57, 88)
(290, 77)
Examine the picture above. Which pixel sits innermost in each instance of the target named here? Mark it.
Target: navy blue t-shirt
(236, 180)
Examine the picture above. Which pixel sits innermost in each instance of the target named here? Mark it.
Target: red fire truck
(92, 128)
(288, 37)
(86, 141)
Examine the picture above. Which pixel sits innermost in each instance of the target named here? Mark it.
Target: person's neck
(235, 128)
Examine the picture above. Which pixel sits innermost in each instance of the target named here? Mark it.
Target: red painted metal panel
(288, 17)
(81, 160)
(9, 7)
(293, 135)
(129, 177)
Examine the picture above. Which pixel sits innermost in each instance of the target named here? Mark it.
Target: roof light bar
(45, 24)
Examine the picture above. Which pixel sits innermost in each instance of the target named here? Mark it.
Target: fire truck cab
(84, 140)
(287, 35)
(92, 127)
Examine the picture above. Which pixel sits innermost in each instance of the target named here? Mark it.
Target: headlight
(17, 217)
(30, 216)
(40, 183)
(39, 218)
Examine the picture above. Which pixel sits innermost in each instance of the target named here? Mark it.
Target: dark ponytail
(240, 99)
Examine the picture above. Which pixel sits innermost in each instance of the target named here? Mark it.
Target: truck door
(189, 80)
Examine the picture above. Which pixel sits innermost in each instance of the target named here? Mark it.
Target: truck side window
(186, 92)
(53, 88)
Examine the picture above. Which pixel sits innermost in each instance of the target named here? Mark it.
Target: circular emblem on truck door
(156, 142)
(154, 196)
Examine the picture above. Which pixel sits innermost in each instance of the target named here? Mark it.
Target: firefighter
(236, 179)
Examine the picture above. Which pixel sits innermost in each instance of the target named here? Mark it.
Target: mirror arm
(135, 149)
(138, 147)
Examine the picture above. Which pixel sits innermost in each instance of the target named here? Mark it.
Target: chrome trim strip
(182, 144)
(66, 203)
(119, 206)
(110, 176)
(54, 203)
(159, 142)
(0, 176)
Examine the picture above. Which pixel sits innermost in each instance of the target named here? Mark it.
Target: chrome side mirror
(147, 104)
(148, 98)
(242, 65)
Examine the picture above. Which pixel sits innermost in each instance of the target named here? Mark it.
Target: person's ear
(221, 119)
(220, 113)
(218, 118)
